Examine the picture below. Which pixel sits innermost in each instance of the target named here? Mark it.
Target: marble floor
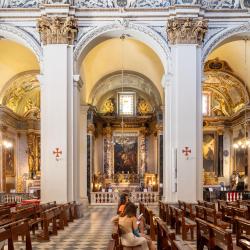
(93, 231)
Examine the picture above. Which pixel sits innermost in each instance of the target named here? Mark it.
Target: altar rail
(13, 197)
(112, 198)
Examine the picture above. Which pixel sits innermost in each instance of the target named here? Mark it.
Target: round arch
(223, 36)
(139, 32)
(20, 36)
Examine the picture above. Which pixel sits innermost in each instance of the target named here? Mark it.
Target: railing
(15, 197)
(112, 198)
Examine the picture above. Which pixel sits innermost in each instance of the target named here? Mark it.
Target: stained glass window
(206, 103)
(126, 103)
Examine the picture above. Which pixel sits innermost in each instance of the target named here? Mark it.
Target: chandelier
(123, 139)
(244, 142)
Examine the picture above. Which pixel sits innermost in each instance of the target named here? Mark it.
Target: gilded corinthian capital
(186, 30)
(57, 30)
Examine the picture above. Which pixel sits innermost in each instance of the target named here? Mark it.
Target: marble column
(56, 80)
(90, 155)
(227, 156)
(83, 153)
(143, 163)
(183, 111)
(108, 151)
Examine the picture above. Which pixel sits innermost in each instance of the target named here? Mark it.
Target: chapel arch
(226, 80)
(19, 110)
(144, 58)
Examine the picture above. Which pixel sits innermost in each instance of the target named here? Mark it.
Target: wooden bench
(165, 236)
(172, 216)
(242, 233)
(211, 216)
(180, 245)
(11, 232)
(149, 220)
(29, 213)
(199, 212)
(184, 223)
(210, 204)
(212, 236)
(49, 218)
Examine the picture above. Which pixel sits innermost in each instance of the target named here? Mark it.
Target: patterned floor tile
(91, 232)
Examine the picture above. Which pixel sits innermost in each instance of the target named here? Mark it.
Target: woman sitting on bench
(128, 225)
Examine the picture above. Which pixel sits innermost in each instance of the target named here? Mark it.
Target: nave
(90, 232)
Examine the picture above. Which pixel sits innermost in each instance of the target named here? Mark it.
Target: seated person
(129, 230)
(122, 204)
(130, 234)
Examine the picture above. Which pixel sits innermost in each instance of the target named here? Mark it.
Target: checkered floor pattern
(93, 231)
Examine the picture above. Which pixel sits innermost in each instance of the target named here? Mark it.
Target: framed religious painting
(209, 151)
(9, 157)
(126, 153)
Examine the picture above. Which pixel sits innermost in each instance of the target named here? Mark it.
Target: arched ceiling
(228, 93)
(14, 59)
(234, 54)
(22, 95)
(106, 58)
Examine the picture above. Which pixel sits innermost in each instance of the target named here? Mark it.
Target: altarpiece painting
(209, 152)
(126, 155)
(9, 160)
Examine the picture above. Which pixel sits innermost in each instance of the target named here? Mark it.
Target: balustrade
(112, 198)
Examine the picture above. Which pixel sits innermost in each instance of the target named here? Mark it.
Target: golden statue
(108, 107)
(143, 107)
(221, 108)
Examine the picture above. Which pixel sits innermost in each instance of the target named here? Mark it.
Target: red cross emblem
(57, 152)
(186, 151)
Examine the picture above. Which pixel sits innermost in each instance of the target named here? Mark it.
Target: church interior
(138, 121)
(125, 116)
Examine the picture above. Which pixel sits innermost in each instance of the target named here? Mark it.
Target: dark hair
(123, 198)
(130, 209)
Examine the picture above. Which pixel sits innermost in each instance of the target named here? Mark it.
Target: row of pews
(42, 220)
(214, 227)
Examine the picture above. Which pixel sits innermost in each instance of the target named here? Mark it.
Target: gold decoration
(91, 128)
(143, 107)
(217, 64)
(186, 30)
(20, 187)
(33, 151)
(221, 108)
(108, 106)
(23, 94)
(57, 30)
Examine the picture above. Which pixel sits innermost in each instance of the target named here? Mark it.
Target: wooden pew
(210, 204)
(5, 235)
(15, 229)
(162, 214)
(48, 217)
(164, 235)
(172, 216)
(180, 245)
(221, 204)
(211, 216)
(149, 219)
(242, 233)
(212, 236)
(200, 212)
(184, 223)
(29, 213)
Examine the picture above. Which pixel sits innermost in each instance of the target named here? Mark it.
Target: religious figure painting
(241, 155)
(126, 155)
(209, 152)
(9, 160)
